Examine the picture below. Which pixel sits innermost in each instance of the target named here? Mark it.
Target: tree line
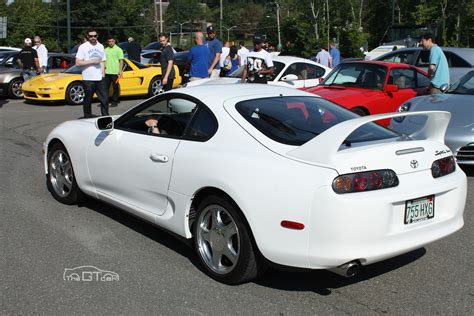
(305, 25)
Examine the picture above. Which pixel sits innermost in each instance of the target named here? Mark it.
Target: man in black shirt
(134, 50)
(166, 62)
(28, 60)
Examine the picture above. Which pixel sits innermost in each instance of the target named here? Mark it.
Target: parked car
(459, 101)
(258, 171)
(180, 60)
(152, 46)
(8, 58)
(11, 79)
(372, 87)
(381, 50)
(293, 72)
(137, 79)
(460, 60)
(9, 48)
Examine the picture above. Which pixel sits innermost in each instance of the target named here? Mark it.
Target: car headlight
(405, 107)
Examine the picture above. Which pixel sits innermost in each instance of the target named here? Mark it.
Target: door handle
(159, 158)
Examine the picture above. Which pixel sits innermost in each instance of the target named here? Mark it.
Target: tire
(222, 242)
(154, 87)
(60, 179)
(359, 111)
(75, 93)
(14, 88)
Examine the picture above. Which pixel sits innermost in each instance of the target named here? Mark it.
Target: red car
(372, 87)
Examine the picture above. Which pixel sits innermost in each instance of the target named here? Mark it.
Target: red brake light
(442, 167)
(365, 181)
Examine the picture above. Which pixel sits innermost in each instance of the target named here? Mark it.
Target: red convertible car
(372, 87)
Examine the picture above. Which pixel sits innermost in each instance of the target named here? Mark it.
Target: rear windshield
(296, 120)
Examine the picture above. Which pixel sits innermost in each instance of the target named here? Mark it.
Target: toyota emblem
(414, 164)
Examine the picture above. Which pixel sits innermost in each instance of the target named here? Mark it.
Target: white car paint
(271, 181)
(280, 80)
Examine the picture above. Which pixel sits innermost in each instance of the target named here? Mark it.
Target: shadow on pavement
(317, 281)
(3, 101)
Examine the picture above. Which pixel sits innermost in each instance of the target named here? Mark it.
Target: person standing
(28, 60)
(324, 58)
(242, 52)
(199, 58)
(42, 52)
(335, 54)
(234, 60)
(258, 64)
(166, 62)
(134, 50)
(438, 71)
(215, 47)
(113, 69)
(91, 57)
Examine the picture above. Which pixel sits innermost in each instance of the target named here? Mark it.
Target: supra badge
(414, 164)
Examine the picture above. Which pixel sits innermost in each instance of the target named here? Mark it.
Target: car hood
(48, 78)
(460, 106)
(209, 81)
(341, 93)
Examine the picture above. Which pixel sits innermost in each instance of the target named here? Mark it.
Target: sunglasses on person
(92, 35)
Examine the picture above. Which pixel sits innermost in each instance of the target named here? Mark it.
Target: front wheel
(155, 87)
(222, 242)
(60, 178)
(14, 88)
(75, 93)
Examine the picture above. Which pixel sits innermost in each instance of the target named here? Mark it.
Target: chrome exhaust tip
(347, 270)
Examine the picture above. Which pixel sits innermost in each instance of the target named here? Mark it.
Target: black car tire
(75, 93)
(153, 87)
(60, 179)
(218, 237)
(14, 88)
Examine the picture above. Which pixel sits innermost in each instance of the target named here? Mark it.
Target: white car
(257, 171)
(292, 72)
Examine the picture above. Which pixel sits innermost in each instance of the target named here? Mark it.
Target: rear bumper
(370, 226)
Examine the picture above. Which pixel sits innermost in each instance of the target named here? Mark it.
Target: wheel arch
(48, 146)
(69, 85)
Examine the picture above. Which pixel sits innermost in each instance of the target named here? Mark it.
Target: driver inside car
(153, 126)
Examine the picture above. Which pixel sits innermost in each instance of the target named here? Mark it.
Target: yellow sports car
(137, 79)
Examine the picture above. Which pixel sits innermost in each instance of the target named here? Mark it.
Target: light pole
(181, 30)
(278, 23)
(228, 30)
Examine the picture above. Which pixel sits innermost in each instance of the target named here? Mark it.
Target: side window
(422, 80)
(423, 59)
(126, 66)
(170, 116)
(304, 71)
(456, 61)
(403, 78)
(202, 127)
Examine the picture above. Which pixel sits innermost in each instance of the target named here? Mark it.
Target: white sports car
(257, 173)
(292, 72)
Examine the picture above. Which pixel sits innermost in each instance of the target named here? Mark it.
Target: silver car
(459, 100)
(460, 60)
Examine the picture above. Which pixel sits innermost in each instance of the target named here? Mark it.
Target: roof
(465, 53)
(383, 63)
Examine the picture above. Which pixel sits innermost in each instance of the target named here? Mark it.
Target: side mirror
(290, 77)
(105, 123)
(444, 87)
(391, 88)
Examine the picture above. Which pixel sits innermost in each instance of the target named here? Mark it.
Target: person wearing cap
(91, 58)
(28, 60)
(215, 47)
(42, 54)
(258, 64)
(133, 50)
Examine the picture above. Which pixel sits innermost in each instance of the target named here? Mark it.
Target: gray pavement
(40, 238)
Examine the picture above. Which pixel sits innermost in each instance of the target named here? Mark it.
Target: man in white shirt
(242, 53)
(42, 52)
(324, 58)
(258, 64)
(91, 57)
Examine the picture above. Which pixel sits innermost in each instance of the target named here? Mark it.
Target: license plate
(418, 210)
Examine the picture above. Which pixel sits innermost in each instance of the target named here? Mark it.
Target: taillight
(442, 167)
(405, 107)
(365, 181)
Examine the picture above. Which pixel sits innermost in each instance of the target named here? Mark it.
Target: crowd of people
(208, 58)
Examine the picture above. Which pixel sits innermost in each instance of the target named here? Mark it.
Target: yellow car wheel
(75, 93)
(155, 87)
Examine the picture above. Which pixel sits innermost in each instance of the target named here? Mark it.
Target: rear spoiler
(326, 145)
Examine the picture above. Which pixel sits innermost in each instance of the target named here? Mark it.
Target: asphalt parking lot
(40, 238)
